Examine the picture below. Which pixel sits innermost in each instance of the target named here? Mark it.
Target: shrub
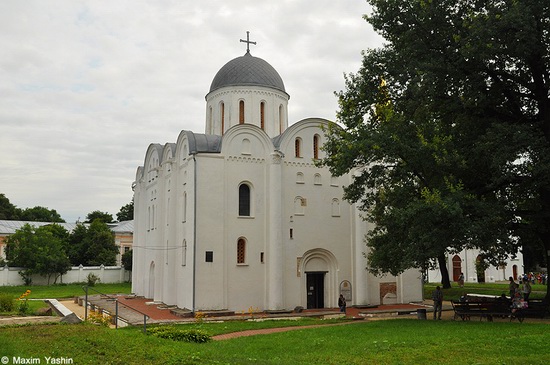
(172, 333)
(97, 317)
(92, 279)
(7, 303)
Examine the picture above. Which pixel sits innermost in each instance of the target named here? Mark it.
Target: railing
(115, 298)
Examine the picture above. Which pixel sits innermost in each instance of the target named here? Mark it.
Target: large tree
(447, 130)
(40, 214)
(126, 212)
(39, 250)
(8, 211)
(102, 216)
(93, 245)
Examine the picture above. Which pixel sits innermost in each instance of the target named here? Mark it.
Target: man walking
(437, 297)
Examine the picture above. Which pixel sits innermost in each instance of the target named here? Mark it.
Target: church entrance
(315, 283)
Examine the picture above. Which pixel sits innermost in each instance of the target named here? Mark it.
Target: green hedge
(176, 334)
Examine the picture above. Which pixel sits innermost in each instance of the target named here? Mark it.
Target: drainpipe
(194, 228)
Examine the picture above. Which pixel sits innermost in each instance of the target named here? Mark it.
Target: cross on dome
(248, 41)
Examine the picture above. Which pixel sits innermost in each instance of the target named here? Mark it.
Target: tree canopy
(126, 212)
(102, 216)
(39, 250)
(446, 129)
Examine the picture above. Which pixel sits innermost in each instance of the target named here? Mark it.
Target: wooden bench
(485, 309)
(537, 308)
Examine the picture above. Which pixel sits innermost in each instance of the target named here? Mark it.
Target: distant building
(465, 262)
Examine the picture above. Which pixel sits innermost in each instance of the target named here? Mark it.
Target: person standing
(437, 297)
(342, 303)
(526, 289)
(512, 287)
(461, 280)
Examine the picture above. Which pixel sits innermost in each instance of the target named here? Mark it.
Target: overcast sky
(86, 86)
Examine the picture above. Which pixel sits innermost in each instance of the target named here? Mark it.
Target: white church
(240, 217)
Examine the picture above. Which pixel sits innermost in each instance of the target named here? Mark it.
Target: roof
(9, 227)
(247, 70)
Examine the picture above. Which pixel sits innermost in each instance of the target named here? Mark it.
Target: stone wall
(77, 274)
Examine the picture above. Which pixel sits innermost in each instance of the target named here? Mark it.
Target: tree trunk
(445, 282)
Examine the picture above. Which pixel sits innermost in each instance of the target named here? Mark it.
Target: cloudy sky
(86, 86)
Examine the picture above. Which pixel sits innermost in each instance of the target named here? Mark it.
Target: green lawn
(57, 292)
(399, 341)
(62, 291)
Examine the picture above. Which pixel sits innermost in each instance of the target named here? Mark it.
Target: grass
(454, 293)
(61, 291)
(399, 341)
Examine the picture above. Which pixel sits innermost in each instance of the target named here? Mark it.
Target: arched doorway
(457, 267)
(515, 272)
(320, 285)
(151, 281)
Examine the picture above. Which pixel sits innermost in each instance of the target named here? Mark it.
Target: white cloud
(88, 85)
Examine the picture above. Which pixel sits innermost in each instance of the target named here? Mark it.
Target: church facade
(240, 218)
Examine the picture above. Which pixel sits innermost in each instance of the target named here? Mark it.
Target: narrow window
(209, 256)
(291, 233)
(281, 120)
(222, 116)
(262, 257)
(184, 208)
(244, 200)
(241, 112)
(262, 115)
(211, 127)
(316, 146)
(241, 248)
(297, 147)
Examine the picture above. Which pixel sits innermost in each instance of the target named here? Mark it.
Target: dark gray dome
(247, 70)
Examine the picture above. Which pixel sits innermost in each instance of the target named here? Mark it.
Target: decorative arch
(320, 262)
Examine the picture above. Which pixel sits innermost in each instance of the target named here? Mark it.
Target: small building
(466, 262)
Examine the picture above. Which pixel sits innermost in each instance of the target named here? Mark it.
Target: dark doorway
(315, 282)
(457, 267)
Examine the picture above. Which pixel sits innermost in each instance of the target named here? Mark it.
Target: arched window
(262, 115)
(297, 147)
(222, 116)
(316, 146)
(335, 208)
(241, 251)
(241, 112)
(244, 200)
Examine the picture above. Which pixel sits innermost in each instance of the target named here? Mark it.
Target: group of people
(523, 289)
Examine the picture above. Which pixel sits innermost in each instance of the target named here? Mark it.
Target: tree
(98, 245)
(126, 212)
(40, 214)
(39, 250)
(447, 130)
(102, 216)
(8, 211)
(127, 260)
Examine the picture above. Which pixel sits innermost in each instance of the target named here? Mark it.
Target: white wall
(107, 274)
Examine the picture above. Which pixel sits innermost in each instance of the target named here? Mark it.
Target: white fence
(77, 274)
